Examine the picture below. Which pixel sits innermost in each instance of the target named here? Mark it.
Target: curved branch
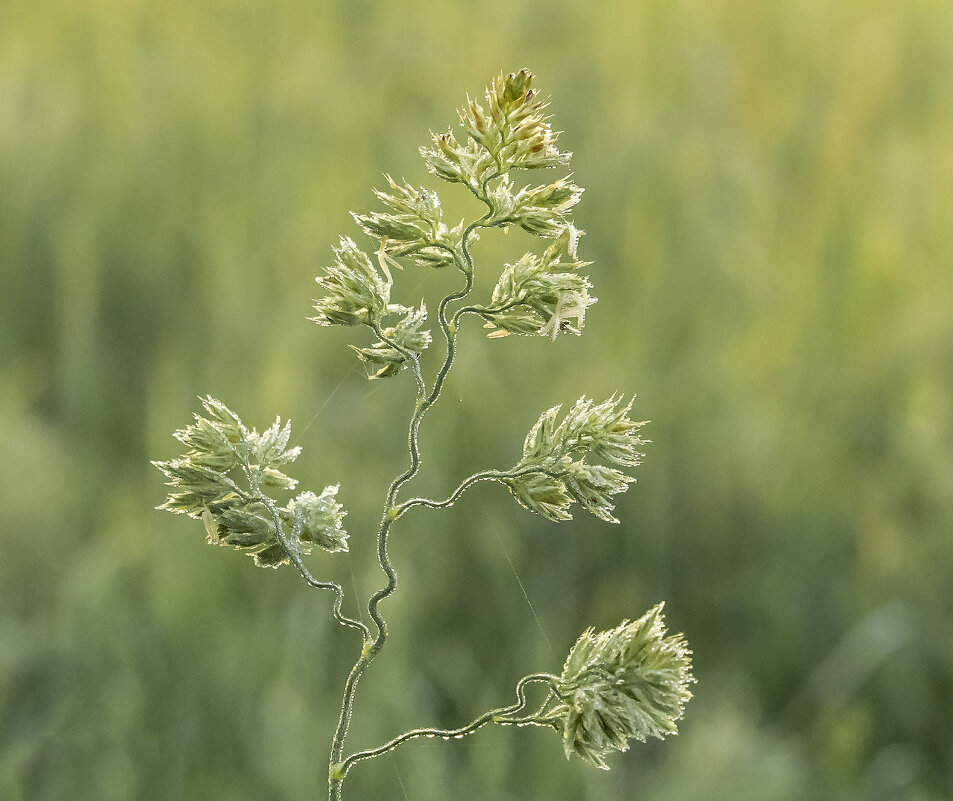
(485, 475)
(412, 356)
(487, 311)
(502, 716)
(295, 557)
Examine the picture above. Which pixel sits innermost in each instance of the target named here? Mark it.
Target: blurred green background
(769, 208)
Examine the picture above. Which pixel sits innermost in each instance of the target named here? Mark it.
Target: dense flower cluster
(358, 292)
(414, 226)
(540, 210)
(511, 132)
(222, 480)
(630, 682)
(555, 471)
(542, 295)
(389, 355)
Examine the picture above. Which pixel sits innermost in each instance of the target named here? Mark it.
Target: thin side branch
(306, 574)
(485, 475)
(503, 716)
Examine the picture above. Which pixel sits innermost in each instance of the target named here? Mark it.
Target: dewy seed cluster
(222, 480)
(630, 682)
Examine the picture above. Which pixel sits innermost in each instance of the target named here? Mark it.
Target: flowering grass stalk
(631, 682)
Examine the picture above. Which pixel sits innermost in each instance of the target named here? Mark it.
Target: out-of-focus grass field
(769, 210)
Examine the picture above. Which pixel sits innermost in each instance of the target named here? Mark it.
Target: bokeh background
(769, 210)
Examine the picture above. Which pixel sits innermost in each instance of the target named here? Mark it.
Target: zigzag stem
(372, 647)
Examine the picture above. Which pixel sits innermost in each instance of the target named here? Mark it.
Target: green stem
(485, 311)
(502, 716)
(423, 404)
(295, 556)
(485, 475)
(372, 647)
(411, 356)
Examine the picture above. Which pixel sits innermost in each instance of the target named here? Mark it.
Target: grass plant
(630, 682)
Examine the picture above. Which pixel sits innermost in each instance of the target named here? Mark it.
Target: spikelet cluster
(540, 294)
(511, 131)
(224, 477)
(390, 354)
(414, 225)
(631, 682)
(557, 454)
(357, 292)
(540, 210)
(544, 295)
